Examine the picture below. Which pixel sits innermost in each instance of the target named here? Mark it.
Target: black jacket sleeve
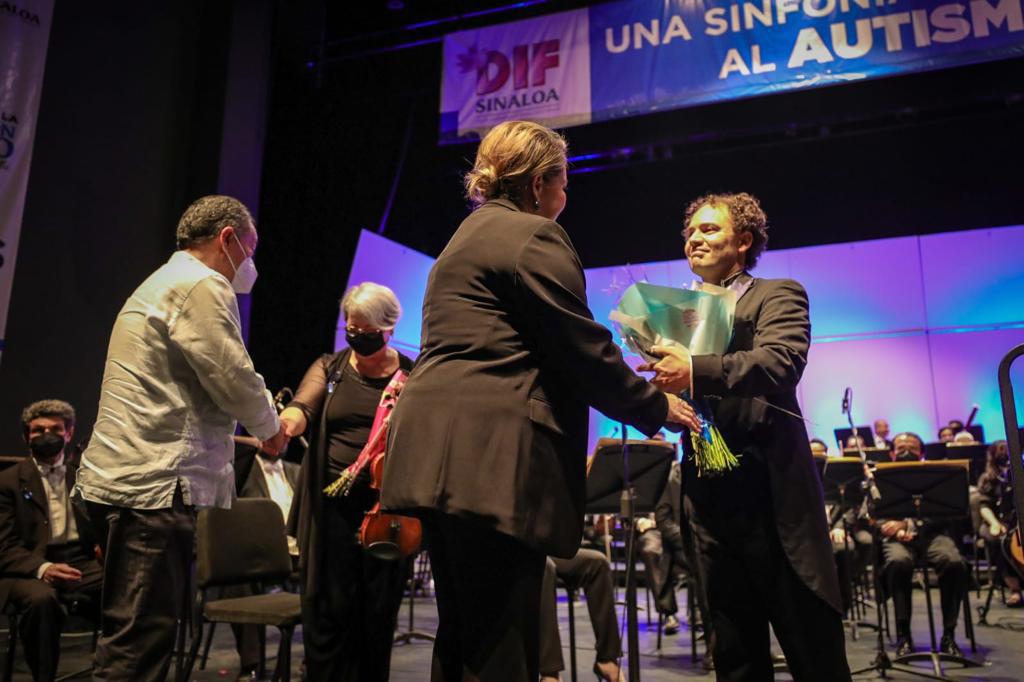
(551, 289)
(782, 336)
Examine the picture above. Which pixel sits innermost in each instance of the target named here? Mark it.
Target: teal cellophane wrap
(701, 321)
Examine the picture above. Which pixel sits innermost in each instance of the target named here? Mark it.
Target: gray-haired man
(176, 381)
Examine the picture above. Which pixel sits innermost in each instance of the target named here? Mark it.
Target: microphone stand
(626, 510)
(882, 662)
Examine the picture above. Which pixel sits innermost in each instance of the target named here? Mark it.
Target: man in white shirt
(176, 382)
(46, 544)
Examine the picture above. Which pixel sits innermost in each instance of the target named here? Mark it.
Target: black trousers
(146, 586)
(488, 588)
(661, 560)
(348, 625)
(590, 571)
(941, 554)
(852, 557)
(750, 585)
(40, 610)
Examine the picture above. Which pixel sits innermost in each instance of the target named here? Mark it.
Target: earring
(536, 205)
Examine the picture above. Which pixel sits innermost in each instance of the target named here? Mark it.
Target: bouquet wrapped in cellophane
(698, 320)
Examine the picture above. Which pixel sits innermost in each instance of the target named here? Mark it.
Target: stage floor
(1002, 649)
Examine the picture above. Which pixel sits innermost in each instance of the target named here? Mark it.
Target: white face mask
(245, 273)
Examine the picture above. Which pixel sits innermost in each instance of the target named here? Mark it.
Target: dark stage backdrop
(901, 156)
(129, 133)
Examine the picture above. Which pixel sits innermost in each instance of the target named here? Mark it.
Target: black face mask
(907, 456)
(46, 445)
(366, 343)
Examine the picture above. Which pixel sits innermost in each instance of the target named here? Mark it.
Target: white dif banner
(536, 69)
(24, 35)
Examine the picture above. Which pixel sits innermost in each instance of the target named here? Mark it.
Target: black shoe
(671, 625)
(905, 647)
(948, 646)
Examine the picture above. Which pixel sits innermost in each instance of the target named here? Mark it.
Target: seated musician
(904, 542)
(946, 434)
(995, 506)
(819, 448)
(660, 546)
(852, 546)
(590, 571)
(46, 542)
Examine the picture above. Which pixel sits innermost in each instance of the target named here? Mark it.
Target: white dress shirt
(177, 378)
(63, 528)
(277, 483)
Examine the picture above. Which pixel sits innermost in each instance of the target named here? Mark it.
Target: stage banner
(24, 36)
(537, 69)
(653, 55)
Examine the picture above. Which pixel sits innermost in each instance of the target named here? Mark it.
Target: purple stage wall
(916, 326)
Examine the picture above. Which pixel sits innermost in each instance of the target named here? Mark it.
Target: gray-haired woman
(350, 600)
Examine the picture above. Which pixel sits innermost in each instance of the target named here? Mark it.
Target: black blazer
(761, 367)
(254, 483)
(492, 424)
(25, 522)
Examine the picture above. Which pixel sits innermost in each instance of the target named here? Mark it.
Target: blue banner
(643, 56)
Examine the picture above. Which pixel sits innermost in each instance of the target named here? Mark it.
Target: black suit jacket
(251, 481)
(492, 424)
(25, 522)
(759, 372)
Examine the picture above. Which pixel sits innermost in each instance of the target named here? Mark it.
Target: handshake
(673, 374)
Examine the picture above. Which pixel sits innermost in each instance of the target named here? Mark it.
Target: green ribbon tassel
(711, 454)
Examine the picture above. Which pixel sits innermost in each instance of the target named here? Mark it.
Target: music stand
(628, 476)
(975, 453)
(843, 485)
(935, 452)
(843, 434)
(870, 454)
(937, 490)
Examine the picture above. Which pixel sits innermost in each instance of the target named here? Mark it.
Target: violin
(384, 536)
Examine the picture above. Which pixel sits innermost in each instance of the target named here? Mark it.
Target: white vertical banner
(24, 36)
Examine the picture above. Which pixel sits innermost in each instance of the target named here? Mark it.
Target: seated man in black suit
(660, 545)
(590, 571)
(259, 474)
(46, 543)
(905, 541)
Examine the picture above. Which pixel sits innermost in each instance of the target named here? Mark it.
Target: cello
(385, 536)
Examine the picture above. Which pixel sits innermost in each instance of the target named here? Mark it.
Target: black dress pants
(348, 626)
(488, 588)
(941, 554)
(146, 585)
(750, 584)
(590, 571)
(661, 560)
(41, 613)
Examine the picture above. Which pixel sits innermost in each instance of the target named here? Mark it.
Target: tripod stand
(627, 477)
(936, 490)
(415, 566)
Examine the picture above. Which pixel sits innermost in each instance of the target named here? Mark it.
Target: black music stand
(975, 453)
(628, 476)
(937, 490)
(871, 454)
(935, 452)
(843, 484)
(843, 434)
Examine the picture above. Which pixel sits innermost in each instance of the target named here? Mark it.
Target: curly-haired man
(760, 530)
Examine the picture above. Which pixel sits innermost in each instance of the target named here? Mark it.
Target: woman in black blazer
(488, 440)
